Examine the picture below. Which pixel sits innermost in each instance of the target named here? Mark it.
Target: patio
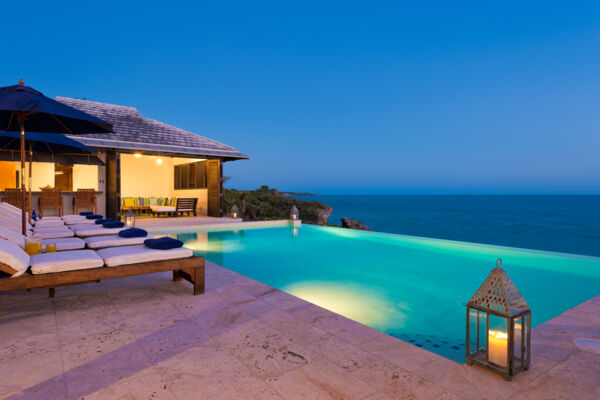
(147, 337)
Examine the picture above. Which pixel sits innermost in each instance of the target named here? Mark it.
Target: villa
(143, 158)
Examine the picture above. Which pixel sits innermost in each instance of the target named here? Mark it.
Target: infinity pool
(410, 287)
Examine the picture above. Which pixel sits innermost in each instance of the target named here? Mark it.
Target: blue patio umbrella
(21, 105)
(42, 143)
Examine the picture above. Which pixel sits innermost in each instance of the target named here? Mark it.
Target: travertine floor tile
(451, 376)
(77, 351)
(397, 382)
(221, 318)
(548, 388)
(266, 352)
(292, 327)
(320, 381)
(342, 353)
(208, 371)
(581, 369)
(398, 352)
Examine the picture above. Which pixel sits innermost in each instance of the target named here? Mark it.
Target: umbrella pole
(22, 125)
(30, 164)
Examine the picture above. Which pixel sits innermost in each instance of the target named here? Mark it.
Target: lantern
(294, 214)
(499, 326)
(234, 211)
(130, 219)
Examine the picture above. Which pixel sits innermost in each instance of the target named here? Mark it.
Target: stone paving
(149, 338)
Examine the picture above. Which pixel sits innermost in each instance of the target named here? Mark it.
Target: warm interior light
(137, 155)
(159, 161)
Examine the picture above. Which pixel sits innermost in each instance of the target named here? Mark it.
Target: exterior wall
(144, 177)
(42, 174)
(7, 174)
(85, 177)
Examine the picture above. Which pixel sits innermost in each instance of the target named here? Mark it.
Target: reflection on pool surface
(409, 287)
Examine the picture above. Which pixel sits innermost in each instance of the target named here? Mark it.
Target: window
(190, 176)
(63, 177)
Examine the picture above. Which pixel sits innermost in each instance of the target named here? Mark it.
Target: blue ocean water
(569, 224)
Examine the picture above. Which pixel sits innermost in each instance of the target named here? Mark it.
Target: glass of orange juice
(50, 248)
(33, 246)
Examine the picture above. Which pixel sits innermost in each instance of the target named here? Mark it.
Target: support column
(113, 185)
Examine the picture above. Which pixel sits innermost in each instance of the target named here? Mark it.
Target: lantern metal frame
(235, 212)
(130, 216)
(294, 213)
(499, 297)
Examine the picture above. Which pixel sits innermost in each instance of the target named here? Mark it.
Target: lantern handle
(499, 262)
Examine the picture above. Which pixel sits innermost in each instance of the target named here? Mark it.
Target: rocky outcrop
(324, 216)
(353, 224)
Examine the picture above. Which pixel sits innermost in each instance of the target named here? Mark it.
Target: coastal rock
(323, 216)
(353, 224)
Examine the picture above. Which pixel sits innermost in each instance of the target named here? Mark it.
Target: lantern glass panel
(130, 219)
(498, 341)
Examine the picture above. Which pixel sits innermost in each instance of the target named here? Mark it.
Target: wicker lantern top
(499, 294)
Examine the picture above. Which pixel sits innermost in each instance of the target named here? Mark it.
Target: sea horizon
(566, 223)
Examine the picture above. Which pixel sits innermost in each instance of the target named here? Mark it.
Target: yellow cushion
(129, 202)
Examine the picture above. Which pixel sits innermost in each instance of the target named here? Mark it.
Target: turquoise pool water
(410, 287)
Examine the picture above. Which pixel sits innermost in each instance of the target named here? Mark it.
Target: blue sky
(342, 97)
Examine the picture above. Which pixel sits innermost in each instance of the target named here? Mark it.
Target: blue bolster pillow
(92, 216)
(113, 224)
(86, 213)
(102, 220)
(163, 243)
(133, 233)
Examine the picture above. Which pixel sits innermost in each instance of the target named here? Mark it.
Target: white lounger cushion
(83, 221)
(14, 256)
(163, 209)
(98, 232)
(86, 227)
(54, 234)
(62, 244)
(64, 261)
(49, 222)
(115, 256)
(51, 228)
(97, 242)
(12, 236)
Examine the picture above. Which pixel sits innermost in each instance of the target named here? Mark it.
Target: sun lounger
(100, 242)
(85, 231)
(62, 244)
(54, 234)
(64, 261)
(52, 270)
(50, 228)
(49, 222)
(83, 221)
(115, 256)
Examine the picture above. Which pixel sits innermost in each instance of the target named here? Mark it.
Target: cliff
(269, 204)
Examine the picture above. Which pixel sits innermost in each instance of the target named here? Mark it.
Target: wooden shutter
(214, 188)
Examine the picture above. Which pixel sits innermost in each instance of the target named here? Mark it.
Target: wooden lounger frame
(191, 269)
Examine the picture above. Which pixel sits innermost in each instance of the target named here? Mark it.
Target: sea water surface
(569, 224)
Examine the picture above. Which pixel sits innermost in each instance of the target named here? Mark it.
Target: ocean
(568, 224)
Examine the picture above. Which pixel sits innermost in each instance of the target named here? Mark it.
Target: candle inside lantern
(498, 348)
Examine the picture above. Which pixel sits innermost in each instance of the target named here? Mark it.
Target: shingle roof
(133, 131)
